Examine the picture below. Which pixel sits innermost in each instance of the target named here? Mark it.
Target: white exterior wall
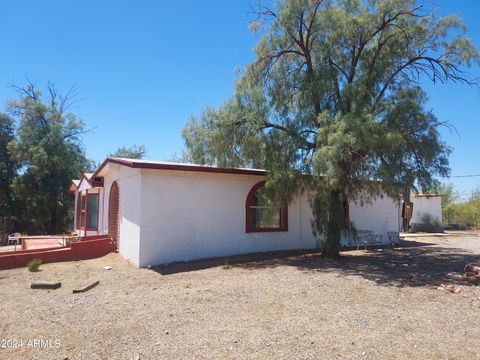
(426, 205)
(382, 215)
(130, 211)
(193, 215)
(171, 215)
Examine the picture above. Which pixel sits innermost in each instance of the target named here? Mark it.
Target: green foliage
(34, 265)
(182, 157)
(455, 211)
(466, 214)
(333, 93)
(224, 137)
(475, 195)
(133, 152)
(48, 148)
(449, 194)
(8, 166)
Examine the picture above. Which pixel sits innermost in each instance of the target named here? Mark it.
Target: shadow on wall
(414, 264)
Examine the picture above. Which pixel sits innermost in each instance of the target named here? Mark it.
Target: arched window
(262, 213)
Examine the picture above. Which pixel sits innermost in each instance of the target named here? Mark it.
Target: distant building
(427, 210)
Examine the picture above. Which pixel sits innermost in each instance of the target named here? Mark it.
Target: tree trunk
(335, 224)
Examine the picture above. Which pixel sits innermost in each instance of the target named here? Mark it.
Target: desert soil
(380, 304)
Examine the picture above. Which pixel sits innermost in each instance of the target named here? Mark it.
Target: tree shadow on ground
(229, 261)
(412, 264)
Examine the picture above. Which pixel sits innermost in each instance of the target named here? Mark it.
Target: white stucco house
(159, 212)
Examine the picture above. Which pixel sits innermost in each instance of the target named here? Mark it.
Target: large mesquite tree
(334, 94)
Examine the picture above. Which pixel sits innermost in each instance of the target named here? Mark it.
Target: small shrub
(34, 265)
(429, 224)
(428, 219)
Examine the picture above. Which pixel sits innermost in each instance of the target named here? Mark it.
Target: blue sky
(143, 67)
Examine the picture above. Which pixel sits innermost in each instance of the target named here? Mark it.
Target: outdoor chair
(14, 239)
(365, 238)
(393, 238)
(377, 239)
(368, 238)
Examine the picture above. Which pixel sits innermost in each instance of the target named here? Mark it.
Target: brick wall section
(86, 249)
(113, 212)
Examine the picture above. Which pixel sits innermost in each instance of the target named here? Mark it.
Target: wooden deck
(52, 249)
(40, 242)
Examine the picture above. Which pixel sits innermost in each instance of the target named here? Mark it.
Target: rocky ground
(365, 305)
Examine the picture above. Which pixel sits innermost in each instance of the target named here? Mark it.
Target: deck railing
(25, 242)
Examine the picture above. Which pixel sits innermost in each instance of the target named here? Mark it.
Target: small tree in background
(334, 94)
(133, 152)
(475, 195)
(450, 195)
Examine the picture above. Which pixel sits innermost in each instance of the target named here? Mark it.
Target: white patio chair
(14, 239)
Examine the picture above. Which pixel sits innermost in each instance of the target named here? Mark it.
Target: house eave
(176, 167)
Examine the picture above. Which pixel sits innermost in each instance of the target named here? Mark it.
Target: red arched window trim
(113, 219)
(248, 226)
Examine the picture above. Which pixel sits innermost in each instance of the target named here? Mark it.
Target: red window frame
(83, 211)
(248, 203)
(79, 209)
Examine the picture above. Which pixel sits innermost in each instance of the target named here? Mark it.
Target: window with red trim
(79, 209)
(89, 211)
(83, 211)
(263, 213)
(92, 211)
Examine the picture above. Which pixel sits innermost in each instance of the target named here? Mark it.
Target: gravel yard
(380, 304)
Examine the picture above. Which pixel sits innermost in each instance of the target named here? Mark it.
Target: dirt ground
(366, 305)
